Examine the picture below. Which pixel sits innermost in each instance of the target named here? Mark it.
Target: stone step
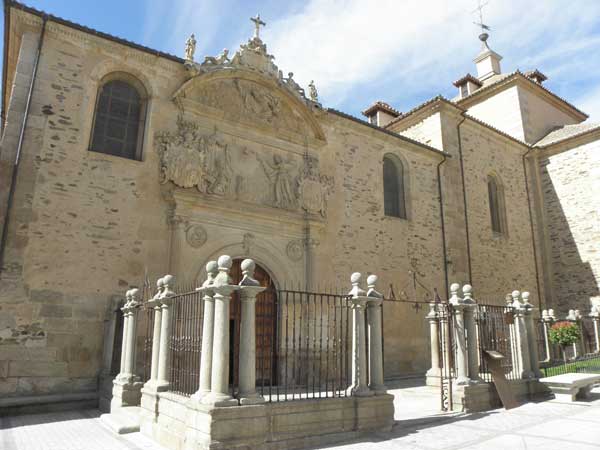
(123, 421)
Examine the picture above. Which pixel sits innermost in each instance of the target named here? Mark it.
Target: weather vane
(480, 24)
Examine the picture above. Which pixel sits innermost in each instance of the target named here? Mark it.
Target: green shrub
(563, 334)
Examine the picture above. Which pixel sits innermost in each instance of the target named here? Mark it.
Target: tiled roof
(494, 81)
(566, 132)
(383, 106)
(467, 77)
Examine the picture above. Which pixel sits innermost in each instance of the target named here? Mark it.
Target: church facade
(120, 163)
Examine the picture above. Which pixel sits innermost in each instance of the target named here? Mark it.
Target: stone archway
(266, 327)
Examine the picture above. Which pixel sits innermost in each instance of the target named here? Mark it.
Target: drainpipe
(462, 177)
(13, 181)
(443, 226)
(535, 259)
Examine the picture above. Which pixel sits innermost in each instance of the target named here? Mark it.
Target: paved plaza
(546, 425)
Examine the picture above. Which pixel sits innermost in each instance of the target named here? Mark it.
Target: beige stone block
(8, 386)
(37, 368)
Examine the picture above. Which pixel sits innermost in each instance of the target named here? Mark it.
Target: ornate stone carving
(189, 159)
(314, 188)
(312, 91)
(190, 48)
(244, 100)
(196, 236)
(247, 241)
(295, 250)
(284, 193)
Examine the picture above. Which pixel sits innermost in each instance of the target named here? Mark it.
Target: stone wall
(570, 182)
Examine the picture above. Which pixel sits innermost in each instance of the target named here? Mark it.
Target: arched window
(496, 200)
(393, 188)
(119, 117)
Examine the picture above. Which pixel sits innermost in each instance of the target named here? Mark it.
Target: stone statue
(217, 166)
(292, 83)
(279, 174)
(190, 48)
(312, 91)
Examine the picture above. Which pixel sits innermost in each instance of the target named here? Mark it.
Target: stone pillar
(207, 331)
(126, 386)
(546, 324)
(359, 387)
(471, 329)
(125, 310)
(156, 305)
(572, 317)
(374, 319)
(523, 358)
(219, 383)
(534, 357)
(164, 350)
(595, 315)
(433, 374)
(462, 377)
(130, 349)
(249, 288)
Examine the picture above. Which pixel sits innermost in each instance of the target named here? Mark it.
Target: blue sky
(358, 51)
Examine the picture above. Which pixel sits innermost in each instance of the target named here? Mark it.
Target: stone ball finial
(371, 280)
(516, 294)
(212, 267)
(525, 296)
(225, 262)
(168, 280)
(355, 277)
(454, 287)
(134, 293)
(160, 283)
(467, 289)
(248, 267)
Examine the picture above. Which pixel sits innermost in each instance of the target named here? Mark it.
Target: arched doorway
(266, 327)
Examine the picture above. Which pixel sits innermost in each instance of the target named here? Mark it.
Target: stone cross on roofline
(257, 24)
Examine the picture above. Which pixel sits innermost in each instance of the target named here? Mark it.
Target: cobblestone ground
(547, 426)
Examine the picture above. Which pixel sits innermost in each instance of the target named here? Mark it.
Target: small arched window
(393, 188)
(119, 117)
(496, 201)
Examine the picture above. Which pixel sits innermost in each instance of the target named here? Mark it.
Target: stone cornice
(568, 143)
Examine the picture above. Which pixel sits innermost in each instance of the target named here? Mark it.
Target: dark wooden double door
(266, 328)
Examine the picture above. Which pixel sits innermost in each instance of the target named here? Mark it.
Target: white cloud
(403, 48)
(590, 103)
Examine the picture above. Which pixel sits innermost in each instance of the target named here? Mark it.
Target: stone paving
(546, 425)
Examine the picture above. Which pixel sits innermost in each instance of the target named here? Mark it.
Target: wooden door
(266, 328)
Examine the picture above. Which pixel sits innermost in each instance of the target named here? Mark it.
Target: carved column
(208, 321)
(156, 305)
(523, 358)
(471, 329)
(462, 368)
(359, 387)
(219, 383)
(125, 310)
(534, 357)
(164, 351)
(546, 324)
(374, 321)
(134, 305)
(177, 246)
(433, 374)
(249, 288)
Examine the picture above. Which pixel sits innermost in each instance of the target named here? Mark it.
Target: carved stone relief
(215, 165)
(295, 250)
(195, 236)
(246, 100)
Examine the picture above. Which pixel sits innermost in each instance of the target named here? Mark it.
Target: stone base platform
(484, 397)
(184, 424)
(123, 420)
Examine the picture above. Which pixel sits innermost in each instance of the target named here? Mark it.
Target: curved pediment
(251, 99)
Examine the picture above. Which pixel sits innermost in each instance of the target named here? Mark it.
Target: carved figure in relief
(279, 173)
(312, 91)
(217, 166)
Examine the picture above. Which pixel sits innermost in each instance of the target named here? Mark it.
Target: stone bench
(567, 386)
